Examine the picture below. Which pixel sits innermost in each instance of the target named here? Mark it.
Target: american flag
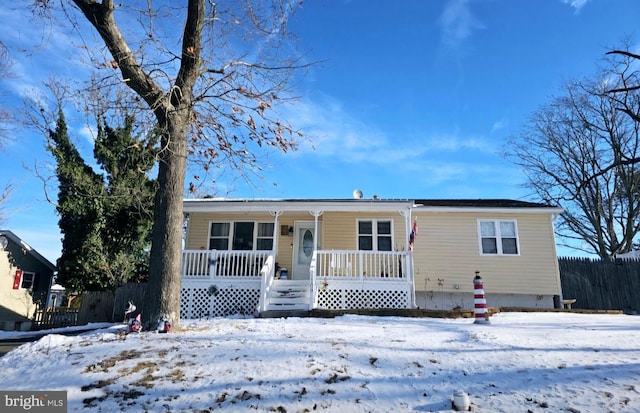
(413, 235)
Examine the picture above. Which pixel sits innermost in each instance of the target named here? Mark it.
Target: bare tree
(213, 97)
(571, 152)
(6, 116)
(4, 197)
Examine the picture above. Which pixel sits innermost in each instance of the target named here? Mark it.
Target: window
(498, 237)
(264, 241)
(375, 235)
(241, 236)
(219, 236)
(28, 279)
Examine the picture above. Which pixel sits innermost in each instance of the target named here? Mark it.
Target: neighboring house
(243, 255)
(25, 276)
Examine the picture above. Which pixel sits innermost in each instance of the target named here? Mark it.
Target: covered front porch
(221, 283)
(254, 256)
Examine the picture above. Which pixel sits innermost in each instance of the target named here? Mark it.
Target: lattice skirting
(197, 303)
(339, 299)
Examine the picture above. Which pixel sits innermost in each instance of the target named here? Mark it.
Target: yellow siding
(339, 230)
(447, 248)
(12, 301)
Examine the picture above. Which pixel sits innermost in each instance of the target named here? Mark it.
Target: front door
(303, 233)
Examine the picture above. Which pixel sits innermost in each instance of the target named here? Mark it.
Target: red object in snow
(17, 279)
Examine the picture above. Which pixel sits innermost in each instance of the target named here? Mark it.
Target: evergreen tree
(106, 224)
(128, 210)
(80, 209)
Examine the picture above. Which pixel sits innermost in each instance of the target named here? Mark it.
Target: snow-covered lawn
(521, 362)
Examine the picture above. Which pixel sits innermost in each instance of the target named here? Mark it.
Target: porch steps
(289, 295)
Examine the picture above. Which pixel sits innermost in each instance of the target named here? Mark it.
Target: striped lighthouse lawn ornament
(480, 303)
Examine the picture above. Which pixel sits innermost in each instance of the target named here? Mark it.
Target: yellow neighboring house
(266, 255)
(25, 277)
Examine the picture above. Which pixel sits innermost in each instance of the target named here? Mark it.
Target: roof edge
(17, 240)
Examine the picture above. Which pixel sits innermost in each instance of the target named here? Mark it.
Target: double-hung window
(498, 237)
(219, 236)
(375, 235)
(264, 236)
(241, 235)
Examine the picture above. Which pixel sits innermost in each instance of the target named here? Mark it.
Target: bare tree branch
(577, 152)
(217, 120)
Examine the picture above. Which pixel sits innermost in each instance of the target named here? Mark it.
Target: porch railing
(363, 264)
(344, 279)
(221, 283)
(267, 274)
(202, 264)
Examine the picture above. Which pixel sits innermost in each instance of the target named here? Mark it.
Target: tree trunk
(162, 297)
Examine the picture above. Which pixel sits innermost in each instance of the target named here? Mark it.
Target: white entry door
(303, 233)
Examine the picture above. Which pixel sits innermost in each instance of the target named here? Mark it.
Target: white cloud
(576, 4)
(88, 132)
(458, 22)
(334, 132)
(454, 143)
(498, 125)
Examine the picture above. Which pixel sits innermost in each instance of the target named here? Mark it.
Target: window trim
(498, 237)
(374, 233)
(230, 234)
(24, 276)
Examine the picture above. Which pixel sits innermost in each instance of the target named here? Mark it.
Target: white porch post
(407, 226)
(316, 213)
(264, 284)
(276, 233)
(314, 298)
(410, 279)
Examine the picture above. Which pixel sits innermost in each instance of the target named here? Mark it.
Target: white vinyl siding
(498, 237)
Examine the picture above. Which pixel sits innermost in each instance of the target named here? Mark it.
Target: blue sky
(412, 99)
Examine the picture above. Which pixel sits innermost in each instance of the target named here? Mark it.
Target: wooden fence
(55, 318)
(601, 284)
(131, 292)
(96, 307)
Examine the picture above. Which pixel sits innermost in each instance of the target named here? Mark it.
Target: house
(25, 276)
(243, 255)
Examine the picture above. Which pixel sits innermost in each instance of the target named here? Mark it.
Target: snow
(520, 362)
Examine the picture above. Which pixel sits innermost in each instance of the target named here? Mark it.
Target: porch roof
(268, 205)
